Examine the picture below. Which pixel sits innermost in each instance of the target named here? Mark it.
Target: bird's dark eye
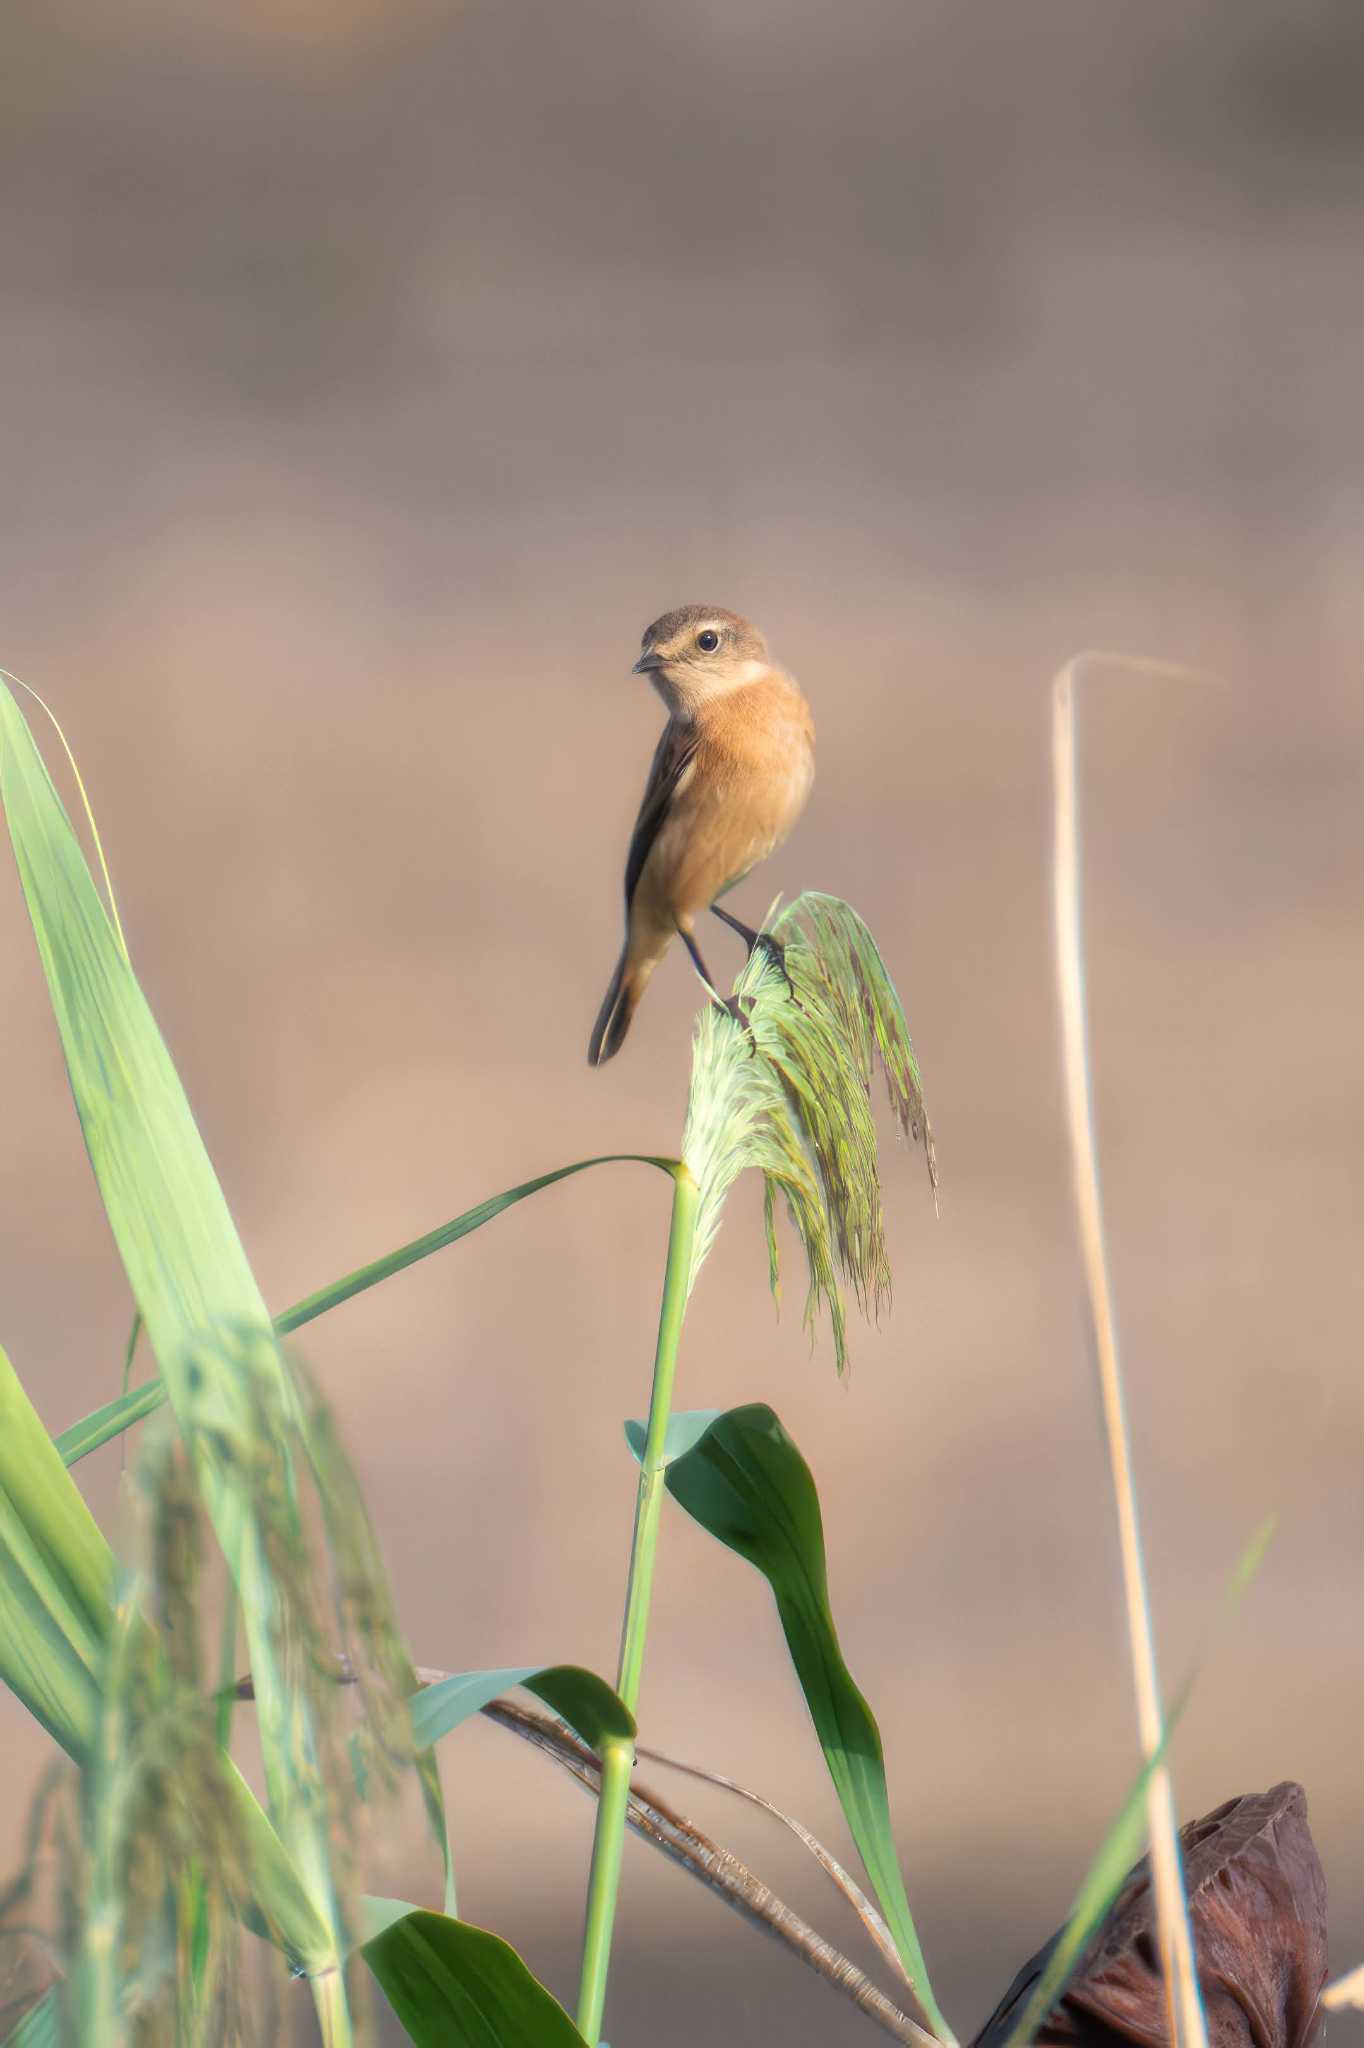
(708, 641)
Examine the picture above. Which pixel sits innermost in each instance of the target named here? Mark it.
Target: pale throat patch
(734, 675)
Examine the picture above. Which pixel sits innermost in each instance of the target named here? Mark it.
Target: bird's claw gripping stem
(776, 953)
(733, 1008)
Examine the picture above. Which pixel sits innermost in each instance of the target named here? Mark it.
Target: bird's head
(698, 653)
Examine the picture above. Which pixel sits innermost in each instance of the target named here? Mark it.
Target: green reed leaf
(577, 1696)
(746, 1483)
(378, 1915)
(236, 1403)
(111, 1420)
(104, 1424)
(456, 1986)
(56, 1578)
(364, 1277)
(39, 2028)
(1110, 1868)
(683, 1431)
(1099, 1888)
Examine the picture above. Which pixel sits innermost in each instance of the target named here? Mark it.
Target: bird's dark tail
(622, 999)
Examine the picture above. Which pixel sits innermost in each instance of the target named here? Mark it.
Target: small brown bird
(728, 781)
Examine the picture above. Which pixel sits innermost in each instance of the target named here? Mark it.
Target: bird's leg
(730, 1005)
(773, 948)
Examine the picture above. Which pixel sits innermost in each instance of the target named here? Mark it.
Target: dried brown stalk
(659, 1823)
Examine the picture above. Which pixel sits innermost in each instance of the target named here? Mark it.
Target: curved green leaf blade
(116, 1416)
(185, 1264)
(456, 1986)
(104, 1424)
(683, 1431)
(1102, 1882)
(447, 1233)
(1109, 1869)
(378, 1915)
(56, 1578)
(746, 1483)
(39, 2028)
(577, 1696)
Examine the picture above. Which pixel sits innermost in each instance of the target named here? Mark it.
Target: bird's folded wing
(672, 759)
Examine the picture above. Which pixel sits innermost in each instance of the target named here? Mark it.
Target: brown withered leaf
(1257, 1901)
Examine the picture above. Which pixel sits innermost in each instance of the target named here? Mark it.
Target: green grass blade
(116, 1416)
(447, 1233)
(746, 1483)
(86, 804)
(104, 1424)
(1100, 1887)
(1113, 1858)
(579, 1697)
(191, 1282)
(165, 1207)
(56, 1578)
(455, 1986)
(283, 1912)
(40, 2026)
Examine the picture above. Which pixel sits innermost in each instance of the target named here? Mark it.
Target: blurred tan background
(371, 375)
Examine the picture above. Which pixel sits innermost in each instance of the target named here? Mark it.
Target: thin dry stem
(659, 1823)
(866, 1912)
(1176, 1939)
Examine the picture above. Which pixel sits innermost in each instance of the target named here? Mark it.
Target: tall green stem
(617, 1762)
(618, 1757)
(649, 1499)
(333, 2008)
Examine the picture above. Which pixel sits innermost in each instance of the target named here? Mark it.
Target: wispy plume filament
(790, 1094)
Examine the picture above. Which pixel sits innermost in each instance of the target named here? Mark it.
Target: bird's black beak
(647, 662)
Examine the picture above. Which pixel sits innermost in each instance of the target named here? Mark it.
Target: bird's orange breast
(743, 791)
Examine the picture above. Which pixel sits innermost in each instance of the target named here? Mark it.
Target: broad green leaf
(189, 1275)
(682, 1433)
(116, 1416)
(378, 1915)
(455, 1986)
(175, 1236)
(577, 1696)
(745, 1482)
